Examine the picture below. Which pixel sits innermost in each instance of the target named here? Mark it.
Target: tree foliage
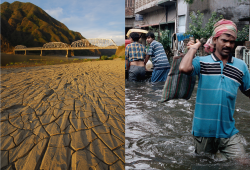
(243, 35)
(164, 37)
(165, 40)
(196, 29)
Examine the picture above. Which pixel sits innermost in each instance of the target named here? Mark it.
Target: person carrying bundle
(220, 76)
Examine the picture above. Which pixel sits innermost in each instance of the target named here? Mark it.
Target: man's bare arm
(186, 62)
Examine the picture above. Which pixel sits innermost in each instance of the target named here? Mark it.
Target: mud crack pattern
(63, 116)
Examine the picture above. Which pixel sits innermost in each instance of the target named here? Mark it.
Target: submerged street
(158, 135)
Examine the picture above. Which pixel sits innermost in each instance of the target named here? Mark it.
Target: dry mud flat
(63, 116)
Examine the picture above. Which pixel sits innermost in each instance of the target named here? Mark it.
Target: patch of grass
(104, 57)
(114, 56)
(122, 57)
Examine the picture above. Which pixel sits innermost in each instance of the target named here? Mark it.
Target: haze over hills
(27, 24)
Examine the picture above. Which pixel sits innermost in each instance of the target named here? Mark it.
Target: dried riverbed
(66, 116)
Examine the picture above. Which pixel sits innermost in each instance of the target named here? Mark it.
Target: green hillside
(27, 24)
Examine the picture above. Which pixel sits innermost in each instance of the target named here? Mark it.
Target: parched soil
(68, 116)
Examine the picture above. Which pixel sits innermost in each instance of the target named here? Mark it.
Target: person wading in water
(220, 76)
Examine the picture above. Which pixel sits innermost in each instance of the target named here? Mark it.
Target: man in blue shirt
(220, 77)
(134, 58)
(159, 59)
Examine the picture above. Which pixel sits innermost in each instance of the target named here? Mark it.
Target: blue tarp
(181, 37)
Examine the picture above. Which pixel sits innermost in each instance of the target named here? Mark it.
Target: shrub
(104, 57)
(243, 35)
(165, 40)
(114, 56)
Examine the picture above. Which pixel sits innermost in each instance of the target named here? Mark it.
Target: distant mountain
(27, 24)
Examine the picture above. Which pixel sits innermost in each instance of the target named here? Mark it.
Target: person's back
(134, 57)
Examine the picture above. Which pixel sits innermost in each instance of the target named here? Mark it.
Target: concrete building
(129, 14)
(174, 14)
(160, 14)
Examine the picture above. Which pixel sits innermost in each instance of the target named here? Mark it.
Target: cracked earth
(68, 116)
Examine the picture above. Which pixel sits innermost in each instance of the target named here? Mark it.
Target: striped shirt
(135, 51)
(158, 55)
(216, 95)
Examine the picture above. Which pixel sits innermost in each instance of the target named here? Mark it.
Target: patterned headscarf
(222, 26)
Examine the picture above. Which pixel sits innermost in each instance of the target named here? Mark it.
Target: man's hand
(186, 62)
(192, 44)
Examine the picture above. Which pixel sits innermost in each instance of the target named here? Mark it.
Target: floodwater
(8, 58)
(158, 135)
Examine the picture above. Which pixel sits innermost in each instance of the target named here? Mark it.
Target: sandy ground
(68, 116)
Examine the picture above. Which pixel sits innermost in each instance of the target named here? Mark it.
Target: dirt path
(68, 116)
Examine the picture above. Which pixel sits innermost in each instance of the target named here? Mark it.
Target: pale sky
(92, 18)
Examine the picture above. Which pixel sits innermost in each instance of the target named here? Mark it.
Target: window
(182, 23)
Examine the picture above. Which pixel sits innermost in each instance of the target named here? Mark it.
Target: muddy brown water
(158, 135)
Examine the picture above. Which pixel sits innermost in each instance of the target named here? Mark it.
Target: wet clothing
(159, 60)
(216, 95)
(136, 73)
(135, 51)
(158, 56)
(224, 148)
(159, 75)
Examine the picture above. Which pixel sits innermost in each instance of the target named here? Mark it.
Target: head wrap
(222, 26)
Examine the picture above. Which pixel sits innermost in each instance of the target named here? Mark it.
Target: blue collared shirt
(216, 95)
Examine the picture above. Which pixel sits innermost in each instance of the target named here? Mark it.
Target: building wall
(155, 17)
(129, 22)
(129, 8)
(159, 15)
(182, 12)
(129, 14)
(230, 9)
(171, 13)
(144, 4)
